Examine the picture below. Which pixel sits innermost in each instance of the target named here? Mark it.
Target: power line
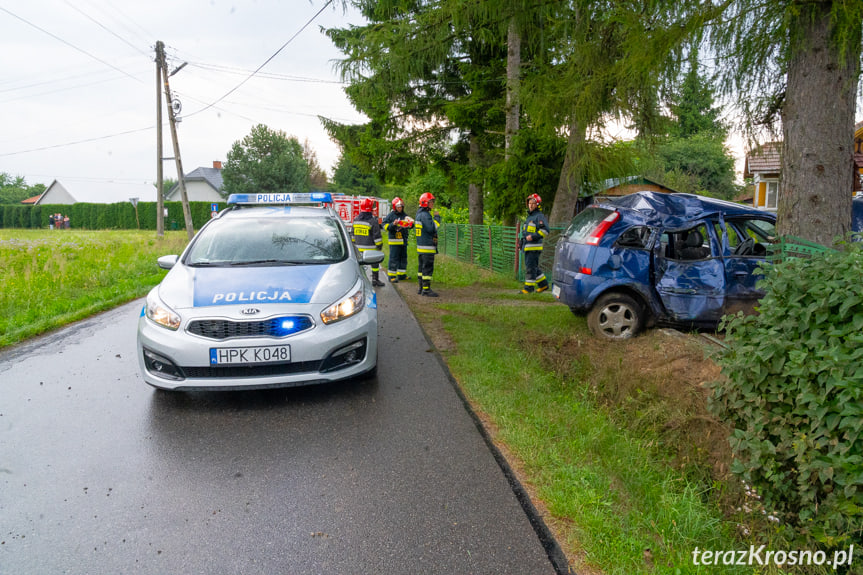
(88, 140)
(249, 77)
(106, 29)
(59, 39)
(272, 76)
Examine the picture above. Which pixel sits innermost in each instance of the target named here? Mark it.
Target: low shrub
(793, 393)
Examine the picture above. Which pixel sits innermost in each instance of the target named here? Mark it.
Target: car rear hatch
(577, 247)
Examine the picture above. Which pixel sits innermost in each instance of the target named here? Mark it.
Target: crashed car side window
(733, 237)
(687, 245)
(635, 237)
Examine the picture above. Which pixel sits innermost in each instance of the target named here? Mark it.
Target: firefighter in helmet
(535, 230)
(426, 233)
(366, 234)
(398, 225)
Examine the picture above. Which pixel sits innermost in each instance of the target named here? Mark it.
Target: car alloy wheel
(615, 316)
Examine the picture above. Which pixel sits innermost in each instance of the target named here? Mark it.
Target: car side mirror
(167, 262)
(371, 257)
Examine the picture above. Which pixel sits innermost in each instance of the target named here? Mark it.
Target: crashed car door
(745, 242)
(690, 287)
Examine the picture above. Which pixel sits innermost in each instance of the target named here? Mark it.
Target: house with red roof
(764, 165)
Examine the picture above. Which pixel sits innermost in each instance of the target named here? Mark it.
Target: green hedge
(794, 396)
(119, 216)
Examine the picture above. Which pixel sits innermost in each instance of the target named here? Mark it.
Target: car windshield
(268, 241)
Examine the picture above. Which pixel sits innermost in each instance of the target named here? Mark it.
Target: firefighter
(366, 234)
(398, 225)
(426, 233)
(534, 231)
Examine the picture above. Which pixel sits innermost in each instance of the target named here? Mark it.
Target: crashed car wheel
(615, 316)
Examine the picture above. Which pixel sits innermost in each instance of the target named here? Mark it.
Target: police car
(270, 293)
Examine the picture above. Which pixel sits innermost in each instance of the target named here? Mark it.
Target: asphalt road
(99, 473)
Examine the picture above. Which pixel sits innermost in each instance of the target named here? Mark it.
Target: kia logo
(250, 311)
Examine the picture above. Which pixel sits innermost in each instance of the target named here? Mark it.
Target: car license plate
(555, 290)
(250, 355)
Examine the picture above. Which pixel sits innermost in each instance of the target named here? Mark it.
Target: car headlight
(161, 314)
(345, 308)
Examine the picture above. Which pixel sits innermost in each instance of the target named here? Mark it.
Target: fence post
(490, 251)
(517, 235)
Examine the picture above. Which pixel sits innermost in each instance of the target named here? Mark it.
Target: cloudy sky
(78, 82)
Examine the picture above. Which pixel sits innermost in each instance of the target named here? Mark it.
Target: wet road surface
(100, 473)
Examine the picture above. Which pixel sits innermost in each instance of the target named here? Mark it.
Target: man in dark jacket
(426, 232)
(366, 234)
(534, 231)
(398, 225)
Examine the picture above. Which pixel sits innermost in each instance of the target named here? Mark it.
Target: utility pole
(187, 213)
(160, 202)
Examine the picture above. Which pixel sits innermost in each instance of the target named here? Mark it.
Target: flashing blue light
(282, 326)
(269, 199)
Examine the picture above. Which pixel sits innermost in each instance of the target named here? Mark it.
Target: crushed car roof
(676, 210)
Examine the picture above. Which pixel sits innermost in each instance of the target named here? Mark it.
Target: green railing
(794, 247)
(493, 247)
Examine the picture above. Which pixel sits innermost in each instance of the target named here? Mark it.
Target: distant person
(66, 223)
(534, 231)
(426, 233)
(366, 235)
(50, 221)
(398, 225)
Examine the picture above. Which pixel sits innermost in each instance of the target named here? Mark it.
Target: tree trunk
(474, 189)
(816, 183)
(569, 185)
(513, 84)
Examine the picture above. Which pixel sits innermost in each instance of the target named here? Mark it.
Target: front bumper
(179, 360)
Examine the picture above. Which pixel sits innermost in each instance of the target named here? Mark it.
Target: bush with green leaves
(793, 393)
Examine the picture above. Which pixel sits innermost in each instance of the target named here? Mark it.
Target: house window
(772, 199)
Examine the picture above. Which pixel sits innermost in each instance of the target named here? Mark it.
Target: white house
(202, 185)
(95, 193)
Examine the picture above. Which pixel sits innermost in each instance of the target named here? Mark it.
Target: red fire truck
(348, 207)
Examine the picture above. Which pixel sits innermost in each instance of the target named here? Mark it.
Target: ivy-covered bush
(793, 393)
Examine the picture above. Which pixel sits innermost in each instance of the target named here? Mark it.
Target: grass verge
(52, 278)
(614, 447)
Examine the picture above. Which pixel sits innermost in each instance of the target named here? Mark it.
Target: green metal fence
(493, 247)
(794, 247)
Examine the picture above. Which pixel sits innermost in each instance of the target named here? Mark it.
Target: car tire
(615, 316)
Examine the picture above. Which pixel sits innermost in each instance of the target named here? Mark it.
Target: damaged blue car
(661, 259)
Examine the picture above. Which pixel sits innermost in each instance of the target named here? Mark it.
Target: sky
(78, 83)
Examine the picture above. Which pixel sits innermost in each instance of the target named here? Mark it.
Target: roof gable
(211, 176)
(765, 159)
(97, 192)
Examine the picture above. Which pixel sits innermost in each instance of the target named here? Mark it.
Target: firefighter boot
(420, 282)
(375, 281)
(427, 291)
(541, 284)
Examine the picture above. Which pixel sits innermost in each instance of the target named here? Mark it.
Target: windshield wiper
(269, 261)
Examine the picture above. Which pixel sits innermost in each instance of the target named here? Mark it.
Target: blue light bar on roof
(268, 199)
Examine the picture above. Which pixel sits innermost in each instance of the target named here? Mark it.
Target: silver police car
(270, 293)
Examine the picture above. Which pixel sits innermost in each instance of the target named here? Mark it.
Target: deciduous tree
(266, 161)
